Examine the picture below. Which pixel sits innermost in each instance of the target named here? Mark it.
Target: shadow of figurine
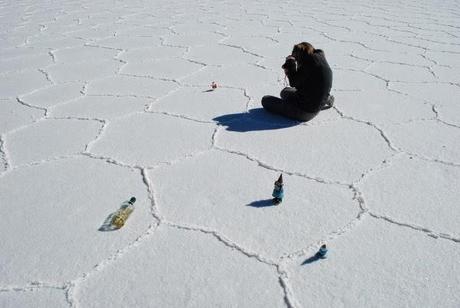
(312, 259)
(320, 254)
(254, 120)
(261, 203)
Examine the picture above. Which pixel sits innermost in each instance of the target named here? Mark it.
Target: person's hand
(290, 65)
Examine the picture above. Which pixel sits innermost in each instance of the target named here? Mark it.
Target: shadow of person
(261, 203)
(254, 120)
(312, 259)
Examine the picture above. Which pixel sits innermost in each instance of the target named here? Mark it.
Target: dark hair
(304, 52)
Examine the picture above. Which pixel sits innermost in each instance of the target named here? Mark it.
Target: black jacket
(313, 81)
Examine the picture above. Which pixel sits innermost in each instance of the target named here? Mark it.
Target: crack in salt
(74, 285)
(221, 238)
(415, 227)
(4, 153)
(20, 101)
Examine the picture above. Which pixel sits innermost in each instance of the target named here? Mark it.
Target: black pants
(288, 105)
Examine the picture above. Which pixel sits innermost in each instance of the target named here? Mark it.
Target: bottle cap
(132, 200)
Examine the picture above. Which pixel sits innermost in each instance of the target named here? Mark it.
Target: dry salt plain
(104, 100)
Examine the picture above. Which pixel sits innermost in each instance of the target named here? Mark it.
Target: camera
(290, 65)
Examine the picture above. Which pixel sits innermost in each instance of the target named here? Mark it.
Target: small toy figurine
(278, 192)
(322, 251)
(214, 85)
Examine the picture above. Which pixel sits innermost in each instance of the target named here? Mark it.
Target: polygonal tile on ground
(35, 298)
(164, 68)
(14, 115)
(53, 41)
(100, 107)
(232, 76)
(394, 56)
(50, 138)
(380, 264)
(132, 139)
(83, 71)
(193, 39)
(54, 94)
(430, 139)
(14, 84)
(349, 80)
(220, 54)
(55, 210)
(151, 53)
(382, 107)
(20, 52)
(447, 74)
(26, 62)
(129, 42)
(91, 33)
(84, 53)
(398, 72)
(443, 96)
(259, 45)
(200, 103)
(238, 205)
(130, 86)
(177, 268)
(428, 199)
(312, 153)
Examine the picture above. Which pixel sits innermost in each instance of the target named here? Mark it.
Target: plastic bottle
(120, 217)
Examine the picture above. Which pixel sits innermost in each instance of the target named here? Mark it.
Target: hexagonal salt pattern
(83, 71)
(146, 53)
(48, 139)
(179, 268)
(130, 86)
(380, 264)
(103, 101)
(382, 107)
(444, 97)
(54, 94)
(177, 138)
(239, 206)
(84, 53)
(163, 68)
(428, 199)
(232, 76)
(398, 72)
(55, 210)
(25, 62)
(101, 107)
(30, 298)
(312, 154)
(201, 103)
(14, 115)
(15, 83)
(412, 137)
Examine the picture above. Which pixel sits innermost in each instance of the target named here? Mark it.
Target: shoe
(329, 102)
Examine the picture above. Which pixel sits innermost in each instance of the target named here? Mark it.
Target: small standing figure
(214, 85)
(322, 251)
(278, 192)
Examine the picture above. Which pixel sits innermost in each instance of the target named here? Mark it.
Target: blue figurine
(278, 192)
(322, 251)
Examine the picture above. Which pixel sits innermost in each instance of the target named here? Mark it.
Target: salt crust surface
(101, 101)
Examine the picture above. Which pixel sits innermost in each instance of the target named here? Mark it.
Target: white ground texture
(103, 100)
